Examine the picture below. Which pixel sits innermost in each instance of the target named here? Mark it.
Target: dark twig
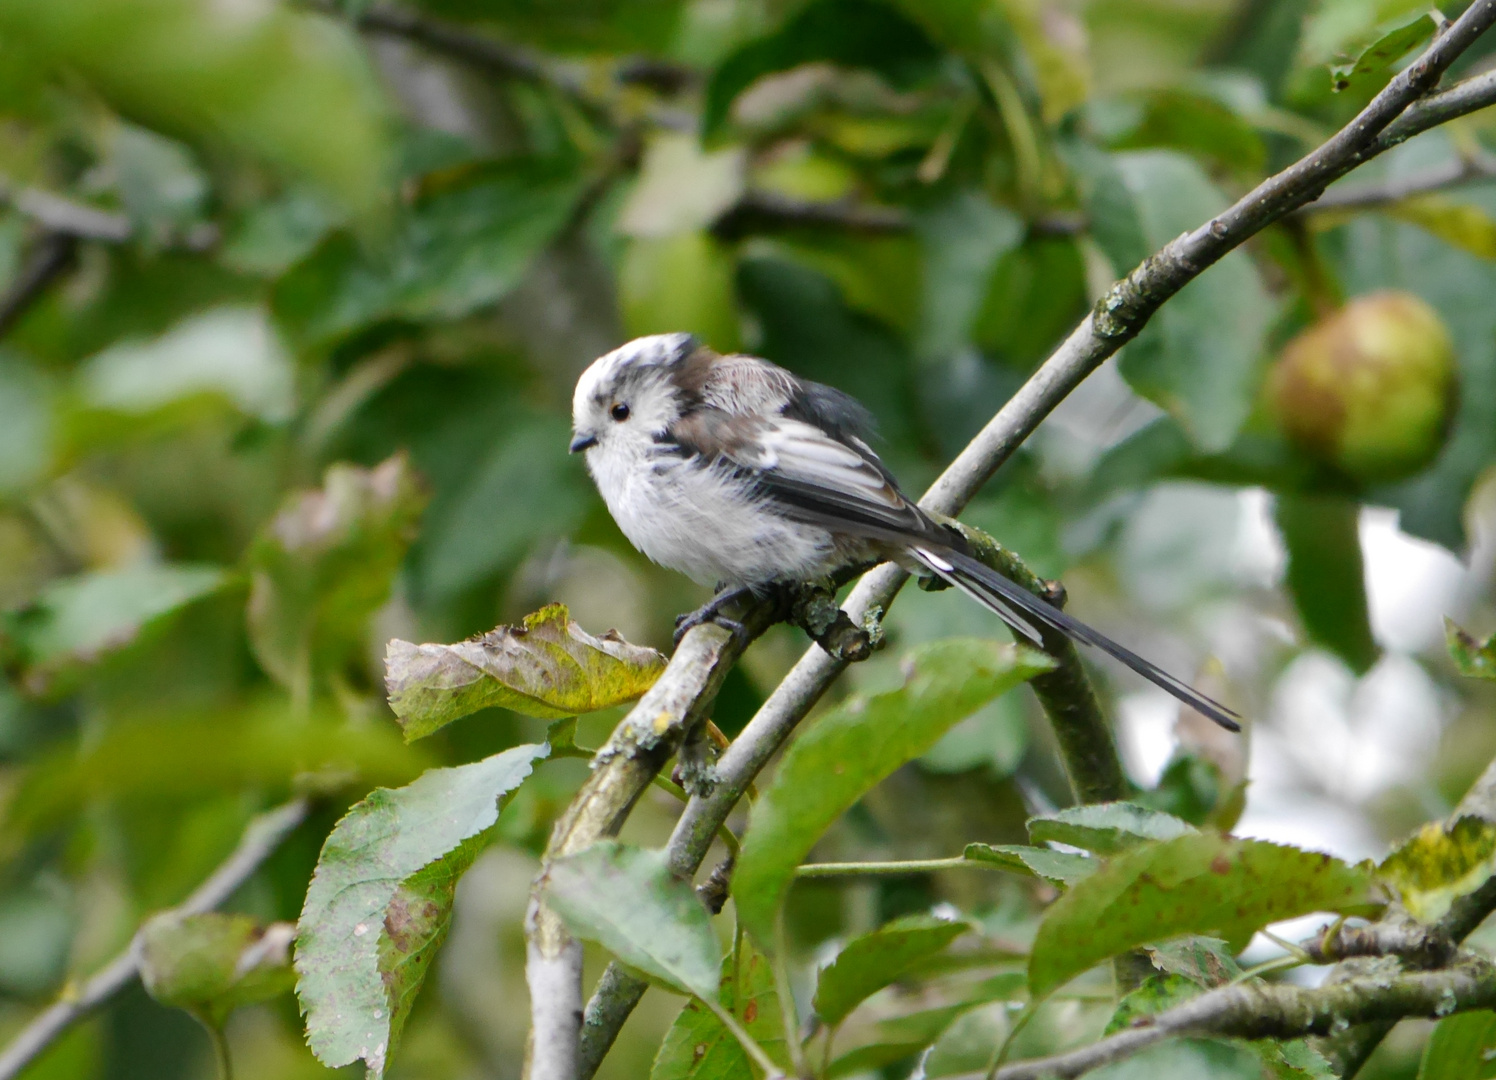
(765, 212)
(49, 260)
(264, 834)
(1396, 934)
(1462, 170)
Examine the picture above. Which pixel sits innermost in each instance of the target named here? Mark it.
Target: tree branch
(1367, 196)
(264, 834)
(505, 60)
(767, 212)
(643, 741)
(1116, 319)
(1348, 1050)
(1263, 1010)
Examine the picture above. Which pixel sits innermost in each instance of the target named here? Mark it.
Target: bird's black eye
(619, 412)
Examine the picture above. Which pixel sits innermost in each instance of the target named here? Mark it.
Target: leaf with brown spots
(549, 667)
(379, 902)
(698, 1047)
(1198, 883)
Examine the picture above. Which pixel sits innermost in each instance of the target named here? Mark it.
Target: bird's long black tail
(1021, 609)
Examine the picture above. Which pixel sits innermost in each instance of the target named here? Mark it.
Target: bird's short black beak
(582, 442)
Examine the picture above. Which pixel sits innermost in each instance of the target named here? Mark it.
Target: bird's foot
(711, 612)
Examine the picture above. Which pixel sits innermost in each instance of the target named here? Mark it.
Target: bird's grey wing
(807, 474)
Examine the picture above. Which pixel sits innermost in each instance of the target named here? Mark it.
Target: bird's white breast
(704, 521)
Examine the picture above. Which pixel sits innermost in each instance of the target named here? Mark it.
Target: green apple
(1370, 389)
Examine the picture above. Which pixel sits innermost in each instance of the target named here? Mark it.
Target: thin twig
(767, 212)
(506, 60)
(1263, 1010)
(48, 261)
(1123, 312)
(641, 743)
(264, 834)
(1461, 170)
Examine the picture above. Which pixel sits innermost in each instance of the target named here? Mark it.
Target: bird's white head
(628, 396)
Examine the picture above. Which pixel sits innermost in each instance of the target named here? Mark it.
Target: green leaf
(1185, 1058)
(1137, 203)
(462, 248)
(325, 563)
(682, 282)
(416, 921)
(1438, 865)
(77, 621)
(1462, 224)
(1057, 867)
(1206, 961)
(1475, 659)
(26, 424)
(1325, 575)
(1373, 64)
(848, 33)
(1462, 1047)
(382, 850)
(1196, 123)
(1199, 883)
(1296, 1059)
(875, 960)
(522, 491)
(211, 964)
(873, 1057)
(698, 1047)
(625, 899)
(962, 240)
(1106, 828)
(845, 753)
(228, 353)
(549, 667)
(286, 87)
(1155, 994)
(156, 760)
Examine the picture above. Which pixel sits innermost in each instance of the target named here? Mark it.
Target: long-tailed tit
(731, 470)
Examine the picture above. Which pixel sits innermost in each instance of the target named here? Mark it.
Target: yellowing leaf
(549, 667)
(1462, 224)
(1438, 865)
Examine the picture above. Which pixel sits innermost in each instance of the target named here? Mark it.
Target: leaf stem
(221, 1059)
(786, 996)
(898, 867)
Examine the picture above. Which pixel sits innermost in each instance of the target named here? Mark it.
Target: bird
(734, 471)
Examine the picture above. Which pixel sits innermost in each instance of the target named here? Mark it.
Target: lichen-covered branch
(1348, 1050)
(1264, 1010)
(264, 834)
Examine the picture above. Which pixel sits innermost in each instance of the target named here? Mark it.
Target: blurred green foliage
(299, 384)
